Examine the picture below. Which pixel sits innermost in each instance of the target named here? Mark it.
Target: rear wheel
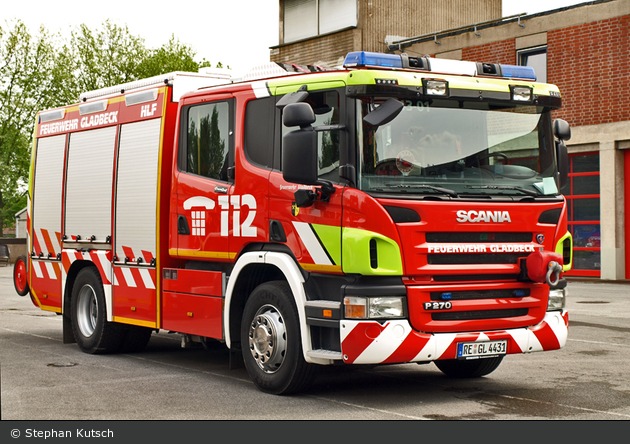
(271, 342)
(20, 281)
(473, 368)
(135, 339)
(91, 330)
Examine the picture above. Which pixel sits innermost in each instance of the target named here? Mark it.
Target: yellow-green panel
(560, 250)
(356, 253)
(331, 239)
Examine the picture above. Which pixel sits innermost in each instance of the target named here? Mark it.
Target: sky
(237, 33)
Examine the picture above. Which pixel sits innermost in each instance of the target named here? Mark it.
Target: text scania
(483, 216)
(99, 119)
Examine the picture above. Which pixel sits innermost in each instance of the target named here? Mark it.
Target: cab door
(313, 231)
(201, 182)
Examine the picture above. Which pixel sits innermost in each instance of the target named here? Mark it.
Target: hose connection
(544, 266)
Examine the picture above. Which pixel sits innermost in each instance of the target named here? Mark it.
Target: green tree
(111, 56)
(30, 79)
(104, 57)
(173, 56)
(44, 71)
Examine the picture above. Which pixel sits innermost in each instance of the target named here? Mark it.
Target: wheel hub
(267, 339)
(87, 313)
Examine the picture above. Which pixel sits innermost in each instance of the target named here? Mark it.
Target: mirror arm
(326, 190)
(306, 198)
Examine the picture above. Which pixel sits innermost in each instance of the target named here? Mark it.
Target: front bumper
(392, 342)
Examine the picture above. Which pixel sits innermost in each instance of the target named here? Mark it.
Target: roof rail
(193, 80)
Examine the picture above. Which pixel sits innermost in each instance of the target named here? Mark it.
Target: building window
(310, 18)
(537, 59)
(584, 216)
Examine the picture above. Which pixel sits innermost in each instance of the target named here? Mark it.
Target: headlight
(522, 93)
(557, 299)
(436, 87)
(357, 307)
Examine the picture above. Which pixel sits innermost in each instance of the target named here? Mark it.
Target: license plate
(467, 350)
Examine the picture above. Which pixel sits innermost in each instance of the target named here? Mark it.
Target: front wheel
(271, 342)
(473, 368)
(92, 332)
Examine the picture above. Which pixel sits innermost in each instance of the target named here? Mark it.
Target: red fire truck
(396, 209)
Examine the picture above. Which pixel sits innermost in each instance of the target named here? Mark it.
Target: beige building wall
(378, 20)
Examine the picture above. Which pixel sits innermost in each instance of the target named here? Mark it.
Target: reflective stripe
(311, 242)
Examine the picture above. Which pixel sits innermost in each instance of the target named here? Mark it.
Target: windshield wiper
(446, 191)
(504, 187)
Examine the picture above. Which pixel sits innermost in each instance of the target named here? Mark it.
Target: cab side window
(207, 140)
(260, 115)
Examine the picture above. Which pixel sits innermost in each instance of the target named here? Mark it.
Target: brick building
(584, 49)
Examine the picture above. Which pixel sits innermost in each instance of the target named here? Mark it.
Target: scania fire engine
(391, 210)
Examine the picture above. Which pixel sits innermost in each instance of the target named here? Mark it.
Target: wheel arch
(253, 269)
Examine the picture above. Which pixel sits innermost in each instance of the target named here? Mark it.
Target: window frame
(523, 54)
(182, 157)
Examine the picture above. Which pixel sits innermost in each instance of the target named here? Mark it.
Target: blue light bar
(360, 59)
(365, 58)
(518, 72)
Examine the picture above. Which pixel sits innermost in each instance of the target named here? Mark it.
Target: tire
(473, 368)
(20, 275)
(91, 330)
(271, 342)
(135, 338)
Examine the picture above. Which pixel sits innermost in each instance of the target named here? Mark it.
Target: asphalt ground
(36, 371)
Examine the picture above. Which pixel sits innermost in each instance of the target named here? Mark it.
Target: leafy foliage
(44, 71)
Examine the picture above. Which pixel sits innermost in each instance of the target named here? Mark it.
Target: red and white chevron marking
(48, 244)
(369, 342)
(46, 270)
(100, 258)
(135, 277)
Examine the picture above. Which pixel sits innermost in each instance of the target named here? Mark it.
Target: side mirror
(294, 97)
(299, 147)
(561, 129)
(385, 113)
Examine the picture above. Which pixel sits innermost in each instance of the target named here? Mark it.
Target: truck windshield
(458, 149)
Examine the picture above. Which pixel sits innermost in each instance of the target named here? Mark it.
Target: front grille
(476, 306)
(479, 294)
(485, 237)
(474, 258)
(472, 280)
(474, 277)
(478, 315)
